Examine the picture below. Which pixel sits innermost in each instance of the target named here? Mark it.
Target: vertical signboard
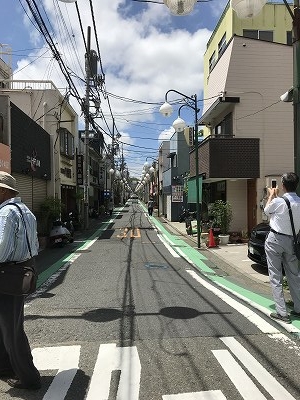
(79, 169)
(177, 193)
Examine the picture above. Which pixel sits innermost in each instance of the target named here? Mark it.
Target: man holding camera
(279, 245)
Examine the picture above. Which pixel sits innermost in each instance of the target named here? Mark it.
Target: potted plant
(222, 214)
(245, 237)
(50, 210)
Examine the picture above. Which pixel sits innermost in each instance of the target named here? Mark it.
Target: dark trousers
(150, 210)
(15, 352)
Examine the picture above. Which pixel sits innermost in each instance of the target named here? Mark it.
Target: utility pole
(87, 129)
(113, 159)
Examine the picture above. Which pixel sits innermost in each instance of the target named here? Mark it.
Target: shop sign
(5, 158)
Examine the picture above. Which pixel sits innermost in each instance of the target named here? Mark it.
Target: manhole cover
(152, 266)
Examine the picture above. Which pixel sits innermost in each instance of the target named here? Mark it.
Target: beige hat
(7, 181)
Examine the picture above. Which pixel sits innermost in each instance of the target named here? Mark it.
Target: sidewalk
(233, 254)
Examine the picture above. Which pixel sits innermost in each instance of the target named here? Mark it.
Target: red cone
(211, 239)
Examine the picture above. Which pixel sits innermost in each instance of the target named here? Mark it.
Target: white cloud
(166, 134)
(142, 55)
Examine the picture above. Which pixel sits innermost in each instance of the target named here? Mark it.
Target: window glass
(67, 146)
(256, 34)
(266, 35)
(250, 33)
(212, 61)
(225, 126)
(289, 38)
(222, 45)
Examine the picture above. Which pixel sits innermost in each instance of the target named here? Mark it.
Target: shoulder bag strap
(291, 216)
(22, 216)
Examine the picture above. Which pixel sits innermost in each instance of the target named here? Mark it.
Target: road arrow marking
(132, 235)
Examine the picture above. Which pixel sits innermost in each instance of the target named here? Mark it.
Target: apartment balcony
(227, 157)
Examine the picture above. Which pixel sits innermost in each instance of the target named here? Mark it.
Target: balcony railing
(226, 156)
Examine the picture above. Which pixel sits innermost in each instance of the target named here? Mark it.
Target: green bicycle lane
(201, 263)
(84, 242)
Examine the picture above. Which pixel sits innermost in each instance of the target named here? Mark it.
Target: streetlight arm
(181, 94)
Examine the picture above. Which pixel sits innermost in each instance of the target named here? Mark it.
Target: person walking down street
(279, 246)
(110, 206)
(16, 362)
(150, 206)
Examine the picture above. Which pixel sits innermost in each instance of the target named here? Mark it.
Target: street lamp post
(248, 9)
(155, 170)
(166, 109)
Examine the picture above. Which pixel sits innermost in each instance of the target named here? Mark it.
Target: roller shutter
(33, 191)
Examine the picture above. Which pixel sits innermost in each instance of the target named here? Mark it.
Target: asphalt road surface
(129, 313)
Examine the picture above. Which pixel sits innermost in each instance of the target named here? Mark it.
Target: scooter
(60, 235)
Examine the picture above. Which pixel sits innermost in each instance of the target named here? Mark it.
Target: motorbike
(186, 215)
(60, 235)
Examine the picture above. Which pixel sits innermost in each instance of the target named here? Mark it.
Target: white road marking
(245, 386)
(169, 248)
(274, 388)
(65, 359)
(110, 358)
(258, 321)
(207, 395)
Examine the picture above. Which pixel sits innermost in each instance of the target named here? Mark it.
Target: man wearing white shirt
(279, 245)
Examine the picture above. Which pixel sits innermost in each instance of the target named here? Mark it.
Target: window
(256, 34)
(174, 161)
(224, 127)
(289, 38)
(1, 129)
(66, 143)
(222, 45)
(212, 61)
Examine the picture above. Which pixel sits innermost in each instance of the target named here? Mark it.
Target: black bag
(18, 279)
(296, 236)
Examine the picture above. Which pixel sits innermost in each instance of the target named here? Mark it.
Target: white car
(134, 198)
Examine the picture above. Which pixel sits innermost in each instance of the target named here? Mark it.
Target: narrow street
(135, 311)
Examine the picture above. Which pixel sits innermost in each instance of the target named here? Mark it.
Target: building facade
(248, 131)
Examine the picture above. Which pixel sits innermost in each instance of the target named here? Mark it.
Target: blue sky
(145, 51)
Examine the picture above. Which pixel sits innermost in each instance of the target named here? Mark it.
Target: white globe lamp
(179, 124)
(247, 8)
(166, 109)
(180, 7)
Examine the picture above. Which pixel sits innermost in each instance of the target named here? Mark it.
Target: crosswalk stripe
(274, 388)
(247, 389)
(205, 395)
(111, 358)
(65, 359)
